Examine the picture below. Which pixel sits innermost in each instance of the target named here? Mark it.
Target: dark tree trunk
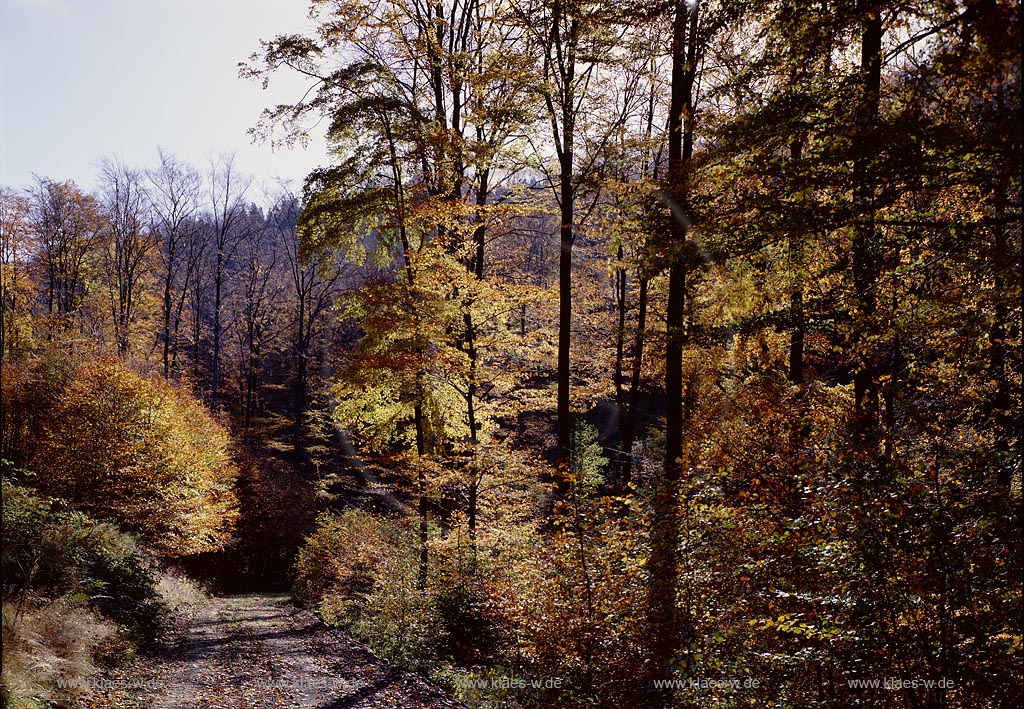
(302, 340)
(421, 484)
(630, 423)
(669, 629)
(621, 290)
(168, 300)
(797, 322)
(218, 282)
(474, 489)
(563, 118)
(476, 267)
(565, 313)
(616, 485)
(866, 251)
(410, 279)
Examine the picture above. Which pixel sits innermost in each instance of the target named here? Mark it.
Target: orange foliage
(143, 452)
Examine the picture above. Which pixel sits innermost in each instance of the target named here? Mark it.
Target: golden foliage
(143, 452)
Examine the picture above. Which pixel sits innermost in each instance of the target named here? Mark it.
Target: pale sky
(85, 79)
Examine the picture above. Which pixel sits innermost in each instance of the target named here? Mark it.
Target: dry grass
(181, 594)
(45, 643)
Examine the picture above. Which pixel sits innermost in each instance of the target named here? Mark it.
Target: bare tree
(259, 285)
(314, 280)
(129, 242)
(226, 192)
(195, 291)
(174, 199)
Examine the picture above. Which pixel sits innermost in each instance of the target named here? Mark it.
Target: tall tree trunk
(168, 302)
(629, 417)
(218, 281)
(1005, 416)
(421, 484)
(630, 423)
(616, 485)
(474, 489)
(621, 289)
(669, 629)
(197, 328)
(563, 120)
(565, 309)
(797, 322)
(476, 267)
(865, 249)
(176, 332)
(301, 355)
(480, 233)
(410, 279)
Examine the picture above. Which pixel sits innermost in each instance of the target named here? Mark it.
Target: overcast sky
(84, 79)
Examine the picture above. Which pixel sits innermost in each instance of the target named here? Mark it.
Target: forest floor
(257, 652)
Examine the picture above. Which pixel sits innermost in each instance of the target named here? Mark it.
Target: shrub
(468, 633)
(360, 572)
(397, 619)
(571, 605)
(179, 593)
(74, 590)
(338, 564)
(562, 607)
(143, 452)
(30, 392)
(51, 551)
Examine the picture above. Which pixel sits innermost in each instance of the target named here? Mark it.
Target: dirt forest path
(257, 652)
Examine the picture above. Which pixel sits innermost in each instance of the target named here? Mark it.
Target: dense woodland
(614, 342)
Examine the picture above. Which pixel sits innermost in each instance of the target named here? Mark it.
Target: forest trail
(257, 652)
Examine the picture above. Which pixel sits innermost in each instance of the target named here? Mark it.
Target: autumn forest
(633, 354)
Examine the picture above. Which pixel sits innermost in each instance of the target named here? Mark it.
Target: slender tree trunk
(421, 483)
(480, 233)
(410, 279)
(630, 423)
(621, 288)
(218, 281)
(797, 321)
(474, 489)
(669, 629)
(565, 318)
(252, 376)
(301, 395)
(176, 334)
(618, 378)
(1006, 418)
(630, 415)
(476, 267)
(865, 248)
(168, 303)
(197, 328)
(301, 355)
(564, 125)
